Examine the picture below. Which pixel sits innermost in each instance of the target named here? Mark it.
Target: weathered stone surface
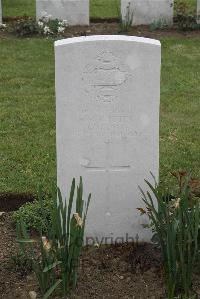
(198, 11)
(107, 106)
(0, 13)
(148, 11)
(76, 12)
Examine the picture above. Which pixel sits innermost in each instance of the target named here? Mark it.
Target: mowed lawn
(98, 8)
(27, 111)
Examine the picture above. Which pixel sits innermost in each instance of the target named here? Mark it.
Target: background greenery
(98, 8)
(27, 104)
(27, 114)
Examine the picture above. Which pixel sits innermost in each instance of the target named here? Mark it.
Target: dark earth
(111, 271)
(116, 271)
(13, 201)
(102, 27)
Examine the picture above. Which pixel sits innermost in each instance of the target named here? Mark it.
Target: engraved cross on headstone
(108, 166)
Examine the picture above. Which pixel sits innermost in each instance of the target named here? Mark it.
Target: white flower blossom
(40, 24)
(3, 25)
(47, 30)
(65, 23)
(46, 243)
(79, 220)
(61, 29)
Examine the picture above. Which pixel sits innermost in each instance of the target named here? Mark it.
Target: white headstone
(198, 11)
(0, 13)
(107, 126)
(148, 11)
(76, 12)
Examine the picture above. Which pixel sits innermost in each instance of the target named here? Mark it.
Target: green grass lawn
(27, 114)
(98, 8)
(104, 8)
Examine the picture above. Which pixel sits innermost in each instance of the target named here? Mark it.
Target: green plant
(185, 19)
(126, 22)
(48, 26)
(176, 222)
(186, 22)
(160, 24)
(25, 27)
(35, 216)
(57, 264)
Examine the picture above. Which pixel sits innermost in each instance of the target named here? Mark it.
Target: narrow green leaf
(55, 264)
(26, 241)
(52, 289)
(71, 197)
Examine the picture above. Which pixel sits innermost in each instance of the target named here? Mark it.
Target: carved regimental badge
(104, 77)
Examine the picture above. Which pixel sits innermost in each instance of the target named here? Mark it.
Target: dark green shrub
(185, 19)
(159, 25)
(34, 216)
(186, 22)
(25, 27)
(45, 27)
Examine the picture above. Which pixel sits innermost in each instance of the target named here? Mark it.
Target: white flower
(46, 244)
(65, 23)
(40, 24)
(61, 29)
(79, 220)
(3, 25)
(177, 203)
(47, 30)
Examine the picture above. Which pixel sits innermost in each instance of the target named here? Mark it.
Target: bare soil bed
(114, 271)
(13, 201)
(112, 27)
(120, 271)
